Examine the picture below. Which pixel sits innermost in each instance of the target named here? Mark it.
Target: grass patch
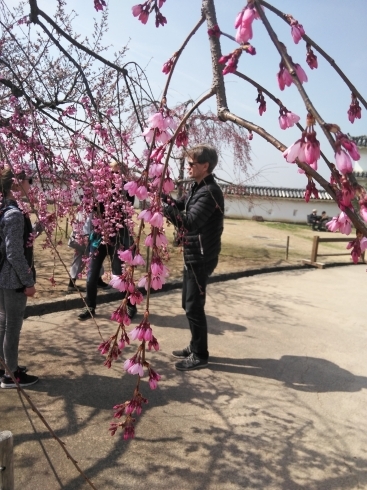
(285, 226)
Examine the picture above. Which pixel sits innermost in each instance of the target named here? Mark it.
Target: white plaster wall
(288, 210)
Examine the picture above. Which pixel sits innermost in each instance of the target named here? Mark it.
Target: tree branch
(321, 51)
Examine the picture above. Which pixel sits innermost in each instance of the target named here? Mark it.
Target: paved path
(281, 406)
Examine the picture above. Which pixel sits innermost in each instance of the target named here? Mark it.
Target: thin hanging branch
(328, 58)
(277, 101)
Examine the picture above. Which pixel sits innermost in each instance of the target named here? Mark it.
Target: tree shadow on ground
(224, 428)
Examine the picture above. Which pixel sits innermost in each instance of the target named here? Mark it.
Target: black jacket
(199, 219)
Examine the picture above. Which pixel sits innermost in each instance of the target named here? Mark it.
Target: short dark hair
(204, 153)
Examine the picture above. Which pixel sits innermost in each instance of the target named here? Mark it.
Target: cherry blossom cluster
(99, 4)
(311, 58)
(306, 149)
(112, 347)
(160, 125)
(344, 158)
(285, 79)
(297, 29)
(311, 190)
(243, 23)
(340, 223)
(262, 102)
(143, 10)
(287, 119)
(167, 67)
(354, 111)
(357, 247)
(126, 410)
(144, 332)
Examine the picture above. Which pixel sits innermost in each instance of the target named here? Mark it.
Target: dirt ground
(245, 245)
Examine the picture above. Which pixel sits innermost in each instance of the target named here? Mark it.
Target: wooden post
(315, 246)
(287, 249)
(6, 461)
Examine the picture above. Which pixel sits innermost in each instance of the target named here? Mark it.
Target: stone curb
(67, 303)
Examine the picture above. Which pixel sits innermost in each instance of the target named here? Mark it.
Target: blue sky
(337, 26)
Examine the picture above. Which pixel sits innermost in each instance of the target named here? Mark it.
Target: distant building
(271, 203)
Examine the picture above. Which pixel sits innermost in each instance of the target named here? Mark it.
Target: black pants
(195, 278)
(97, 258)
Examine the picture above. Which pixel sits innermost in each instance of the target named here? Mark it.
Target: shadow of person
(216, 326)
(298, 372)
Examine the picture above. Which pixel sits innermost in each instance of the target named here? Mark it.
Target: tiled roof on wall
(359, 140)
(270, 192)
(266, 192)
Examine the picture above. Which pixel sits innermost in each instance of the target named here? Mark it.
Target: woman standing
(17, 274)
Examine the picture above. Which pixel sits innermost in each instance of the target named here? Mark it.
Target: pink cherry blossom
(138, 260)
(244, 34)
(146, 215)
(129, 432)
(354, 111)
(351, 148)
(136, 10)
(182, 138)
(141, 193)
(148, 242)
(99, 4)
(156, 267)
(161, 240)
(143, 282)
(238, 20)
(157, 220)
(363, 244)
(343, 162)
(154, 377)
(312, 148)
(153, 344)
(136, 369)
(248, 16)
(117, 282)
(297, 32)
(125, 255)
(311, 58)
(301, 73)
(129, 363)
(156, 283)
(131, 188)
(288, 120)
(168, 185)
(341, 223)
(104, 347)
(311, 190)
(156, 169)
(363, 213)
(136, 297)
(144, 16)
(295, 151)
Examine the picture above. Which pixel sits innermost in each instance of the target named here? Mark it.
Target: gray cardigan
(15, 272)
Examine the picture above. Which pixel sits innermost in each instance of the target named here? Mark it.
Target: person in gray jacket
(17, 274)
(199, 219)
